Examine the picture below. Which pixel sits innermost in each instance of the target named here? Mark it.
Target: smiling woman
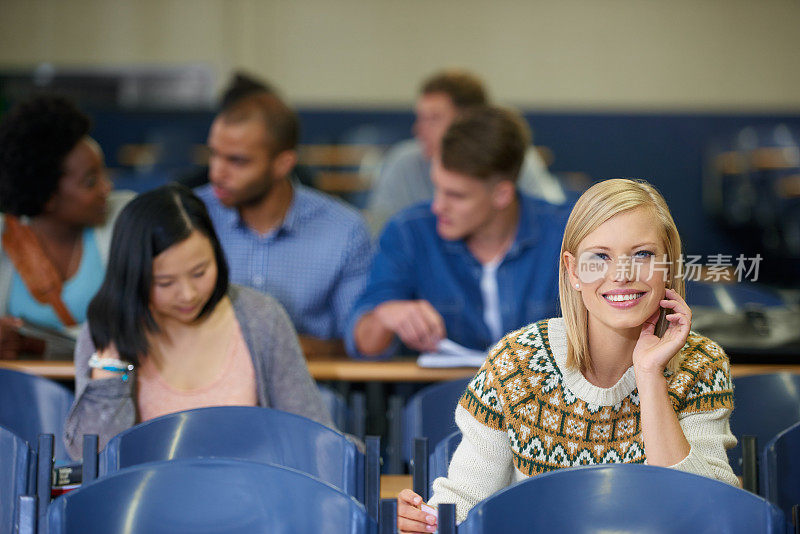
(598, 385)
(166, 332)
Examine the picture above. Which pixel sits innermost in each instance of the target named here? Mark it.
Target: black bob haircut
(35, 138)
(147, 226)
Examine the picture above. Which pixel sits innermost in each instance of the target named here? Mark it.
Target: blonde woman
(596, 385)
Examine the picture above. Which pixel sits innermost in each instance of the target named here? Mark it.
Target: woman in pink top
(166, 332)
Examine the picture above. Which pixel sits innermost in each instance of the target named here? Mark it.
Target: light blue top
(76, 293)
(102, 235)
(315, 263)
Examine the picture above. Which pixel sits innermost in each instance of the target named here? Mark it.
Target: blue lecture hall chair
(620, 498)
(31, 405)
(209, 495)
(439, 460)
(425, 467)
(350, 419)
(429, 413)
(256, 434)
(779, 470)
(16, 471)
(764, 405)
(337, 406)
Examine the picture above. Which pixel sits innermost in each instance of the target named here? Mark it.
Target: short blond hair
(598, 204)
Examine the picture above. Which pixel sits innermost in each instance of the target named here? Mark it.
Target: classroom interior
(699, 98)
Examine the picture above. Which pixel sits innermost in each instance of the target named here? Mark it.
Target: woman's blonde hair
(598, 204)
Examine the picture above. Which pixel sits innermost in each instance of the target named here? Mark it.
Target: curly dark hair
(35, 138)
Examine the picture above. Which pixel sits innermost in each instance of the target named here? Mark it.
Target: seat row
(213, 494)
(429, 413)
(767, 413)
(31, 405)
(228, 468)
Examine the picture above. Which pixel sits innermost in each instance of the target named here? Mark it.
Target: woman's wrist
(104, 367)
(648, 378)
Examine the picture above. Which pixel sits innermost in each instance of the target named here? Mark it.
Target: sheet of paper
(451, 354)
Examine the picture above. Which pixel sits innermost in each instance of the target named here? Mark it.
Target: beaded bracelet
(111, 364)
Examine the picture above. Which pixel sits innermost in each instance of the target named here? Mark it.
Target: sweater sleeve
(482, 463)
(709, 435)
(481, 466)
(702, 395)
(102, 406)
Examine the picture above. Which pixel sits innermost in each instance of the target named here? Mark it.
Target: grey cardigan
(107, 406)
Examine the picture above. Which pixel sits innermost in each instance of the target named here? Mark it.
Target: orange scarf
(34, 267)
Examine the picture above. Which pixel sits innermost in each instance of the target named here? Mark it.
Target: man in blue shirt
(405, 173)
(306, 249)
(478, 262)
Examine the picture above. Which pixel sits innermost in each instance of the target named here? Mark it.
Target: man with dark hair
(306, 249)
(240, 86)
(405, 174)
(479, 261)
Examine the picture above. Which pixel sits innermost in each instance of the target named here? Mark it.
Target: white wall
(566, 54)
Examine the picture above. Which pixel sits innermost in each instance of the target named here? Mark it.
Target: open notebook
(451, 354)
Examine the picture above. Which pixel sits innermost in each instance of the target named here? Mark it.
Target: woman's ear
(570, 264)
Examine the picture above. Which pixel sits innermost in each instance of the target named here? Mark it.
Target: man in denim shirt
(478, 262)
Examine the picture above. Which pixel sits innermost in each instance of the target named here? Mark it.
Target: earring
(577, 286)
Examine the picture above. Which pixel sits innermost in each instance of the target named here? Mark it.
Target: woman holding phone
(166, 332)
(596, 385)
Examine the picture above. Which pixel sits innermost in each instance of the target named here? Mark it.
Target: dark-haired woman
(166, 332)
(58, 217)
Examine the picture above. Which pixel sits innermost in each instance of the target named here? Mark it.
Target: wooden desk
(341, 368)
(745, 369)
(391, 485)
(56, 370)
(399, 370)
(332, 368)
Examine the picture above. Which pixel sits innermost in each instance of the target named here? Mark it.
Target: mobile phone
(661, 324)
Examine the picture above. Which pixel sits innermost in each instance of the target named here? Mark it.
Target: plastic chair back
(337, 406)
(439, 460)
(780, 469)
(764, 406)
(210, 496)
(429, 413)
(31, 405)
(15, 469)
(623, 498)
(244, 433)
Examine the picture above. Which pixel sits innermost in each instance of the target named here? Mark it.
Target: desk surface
(391, 485)
(341, 368)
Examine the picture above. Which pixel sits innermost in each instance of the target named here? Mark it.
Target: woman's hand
(410, 519)
(651, 353)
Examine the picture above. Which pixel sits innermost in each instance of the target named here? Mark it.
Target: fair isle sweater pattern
(520, 390)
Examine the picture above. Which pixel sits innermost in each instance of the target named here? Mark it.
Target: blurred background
(699, 97)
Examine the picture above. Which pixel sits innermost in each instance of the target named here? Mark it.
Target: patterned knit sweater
(526, 413)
